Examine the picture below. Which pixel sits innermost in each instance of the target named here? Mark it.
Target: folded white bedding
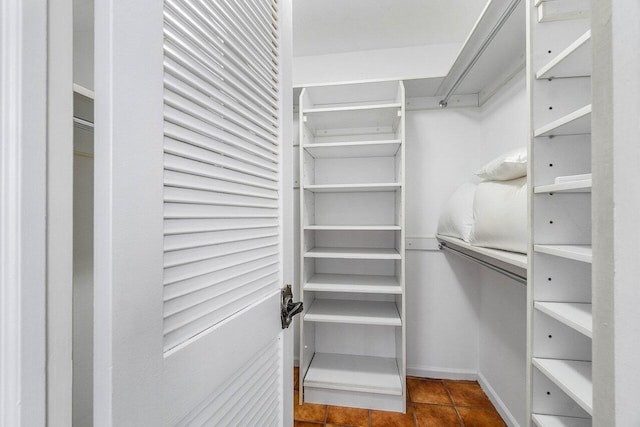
(456, 219)
(500, 215)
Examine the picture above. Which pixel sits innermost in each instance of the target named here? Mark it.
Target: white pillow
(508, 166)
(456, 219)
(500, 215)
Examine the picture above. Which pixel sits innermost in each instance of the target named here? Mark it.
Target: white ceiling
(334, 26)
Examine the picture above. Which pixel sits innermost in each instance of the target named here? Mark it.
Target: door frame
(288, 205)
(36, 159)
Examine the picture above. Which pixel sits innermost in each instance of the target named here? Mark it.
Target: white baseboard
(497, 402)
(442, 373)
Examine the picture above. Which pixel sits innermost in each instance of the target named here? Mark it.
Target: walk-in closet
(306, 213)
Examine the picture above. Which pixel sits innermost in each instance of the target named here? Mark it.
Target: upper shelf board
(581, 186)
(552, 10)
(355, 283)
(516, 259)
(542, 420)
(353, 188)
(501, 59)
(327, 150)
(575, 123)
(353, 253)
(574, 61)
(316, 227)
(573, 377)
(367, 374)
(580, 253)
(318, 96)
(381, 313)
(380, 116)
(575, 315)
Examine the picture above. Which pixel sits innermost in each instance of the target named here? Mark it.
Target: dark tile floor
(430, 403)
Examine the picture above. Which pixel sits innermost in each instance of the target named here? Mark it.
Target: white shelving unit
(555, 421)
(352, 333)
(559, 293)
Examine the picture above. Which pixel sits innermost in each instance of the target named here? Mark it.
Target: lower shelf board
(581, 253)
(541, 420)
(571, 376)
(353, 283)
(353, 253)
(575, 315)
(366, 374)
(382, 313)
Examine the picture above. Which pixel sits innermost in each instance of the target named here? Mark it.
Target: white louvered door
(190, 107)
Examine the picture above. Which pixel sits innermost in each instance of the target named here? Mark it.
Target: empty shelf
(572, 376)
(381, 313)
(350, 117)
(575, 123)
(353, 253)
(346, 372)
(385, 148)
(575, 252)
(353, 188)
(580, 186)
(574, 61)
(353, 227)
(557, 421)
(353, 283)
(575, 315)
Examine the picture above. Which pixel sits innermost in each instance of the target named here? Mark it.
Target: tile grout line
(455, 406)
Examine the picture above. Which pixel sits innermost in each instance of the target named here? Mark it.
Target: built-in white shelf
(542, 420)
(389, 227)
(574, 61)
(355, 283)
(382, 313)
(513, 258)
(552, 10)
(571, 376)
(581, 253)
(83, 91)
(352, 161)
(575, 123)
(353, 253)
(354, 116)
(367, 374)
(353, 188)
(325, 150)
(581, 186)
(573, 314)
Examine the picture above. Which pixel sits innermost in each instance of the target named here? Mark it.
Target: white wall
(379, 64)
(83, 279)
(443, 303)
(83, 43)
(502, 361)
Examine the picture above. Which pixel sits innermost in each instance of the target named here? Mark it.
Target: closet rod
(516, 277)
(82, 124)
(494, 31)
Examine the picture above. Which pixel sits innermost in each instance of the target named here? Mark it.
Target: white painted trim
(442, 373)
(60, 213)
(287, 204)
(23, 79)
(10, 152)
(501, 407)
(429, 243)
